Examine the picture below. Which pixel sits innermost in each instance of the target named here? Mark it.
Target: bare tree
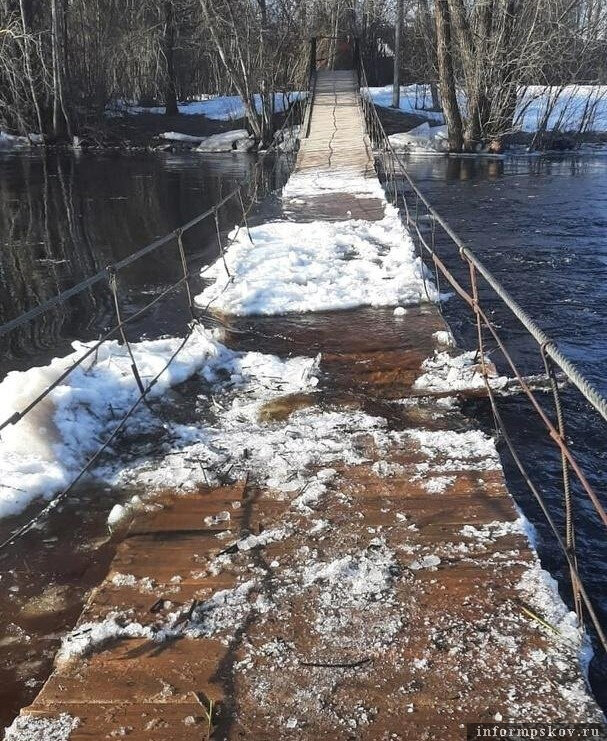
(168, 47)
(447, 85)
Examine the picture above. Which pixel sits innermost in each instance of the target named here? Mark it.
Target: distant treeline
(62, 62)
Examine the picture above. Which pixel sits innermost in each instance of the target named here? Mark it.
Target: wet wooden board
(152, 690)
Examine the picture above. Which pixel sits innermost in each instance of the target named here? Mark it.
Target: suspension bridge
(403, 600)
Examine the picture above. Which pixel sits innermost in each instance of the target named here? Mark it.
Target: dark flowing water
(539, 224)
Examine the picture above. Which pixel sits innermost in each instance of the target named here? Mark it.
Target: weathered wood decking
(336, 144)
(449, 643)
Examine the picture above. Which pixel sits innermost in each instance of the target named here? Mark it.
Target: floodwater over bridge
(328, 550)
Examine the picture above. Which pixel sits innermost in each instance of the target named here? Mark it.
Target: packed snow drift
(42, 452)
(422, 139)
(283, 267)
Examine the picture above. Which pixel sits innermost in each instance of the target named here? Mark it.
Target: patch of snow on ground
(175, 136)
(293, 267)
(226, 142)
(438, 484)
(423, 139)
(267, 536)
(41, 453)
(368, 573)
(216, 107)
(31, 728)
(572, 104)
(277, 457)
(145, 584)
(457, 450)
(11, 141)
(444, 337)
(496, 529)
(413, 99)
(425, 562)
(322, 182)
(93, 635)
(567, 106)
(223, 611)
(540, 591)
(386, 468)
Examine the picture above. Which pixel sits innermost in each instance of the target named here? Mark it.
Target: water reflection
(65, 216)
(466, 167)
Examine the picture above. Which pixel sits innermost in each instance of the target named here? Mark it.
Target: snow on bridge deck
(365, 575)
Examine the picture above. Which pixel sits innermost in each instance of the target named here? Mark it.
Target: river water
(64, 216)
(538, 223)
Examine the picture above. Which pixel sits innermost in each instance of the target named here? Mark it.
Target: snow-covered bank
(12, 141)
(413, 99)
(570, 108)
(218, 108)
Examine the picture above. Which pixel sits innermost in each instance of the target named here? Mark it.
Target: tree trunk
(446, 75)
(61, 119)
(473, 48)
(25, 11)
(238, 80)
(267, 88)
(508, 89)
(398, 30)
(435, 97)
(170, 94)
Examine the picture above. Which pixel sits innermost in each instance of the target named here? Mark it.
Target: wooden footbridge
(422, 608)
